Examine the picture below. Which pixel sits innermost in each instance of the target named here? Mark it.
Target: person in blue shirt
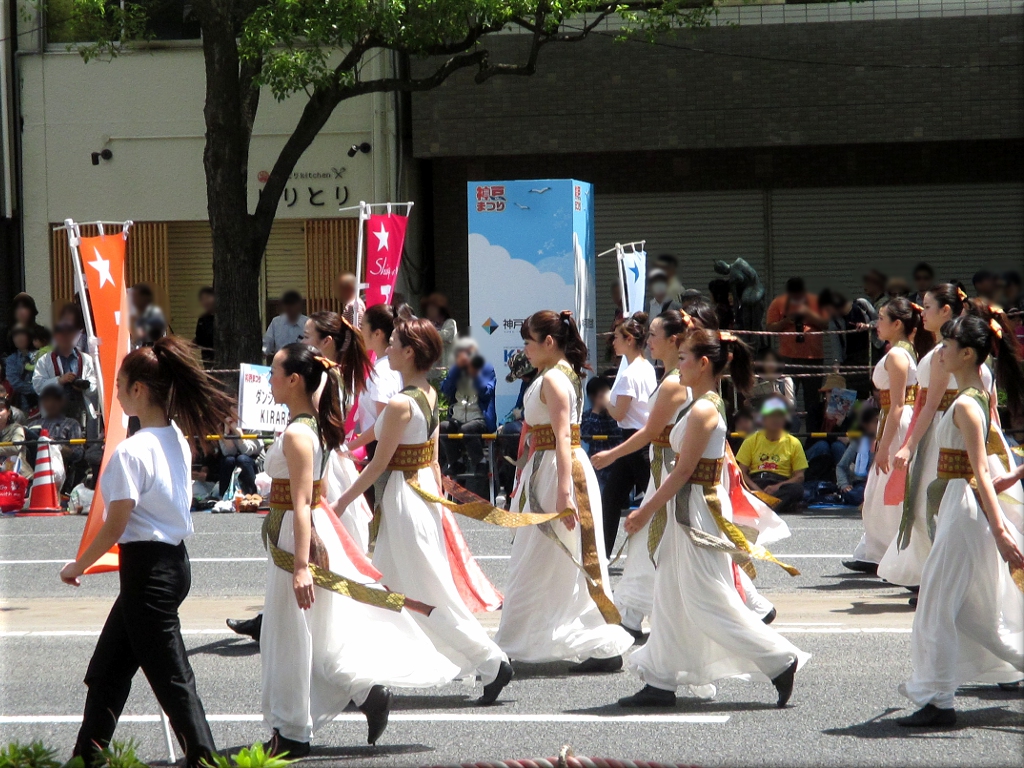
(16, 364)
(469, 390)
(597, 421)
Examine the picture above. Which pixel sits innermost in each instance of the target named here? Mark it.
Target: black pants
(789, 495)
(246, 478)
(143, 630)
(631, 473)
(452, 450)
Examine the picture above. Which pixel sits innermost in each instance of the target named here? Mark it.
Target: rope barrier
(564, 760)
(801, 333)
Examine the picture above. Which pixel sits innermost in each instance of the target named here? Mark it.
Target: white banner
(633, 273)
(257, 411)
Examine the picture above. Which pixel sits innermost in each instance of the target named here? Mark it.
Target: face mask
(659, 288)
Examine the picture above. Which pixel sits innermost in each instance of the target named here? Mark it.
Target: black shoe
(614, 664)
(1010, 686)
(915, 590)
(912, 602)
(638, 635)
(279, 746)
(649, 696)
(784, 684)
(248, 627)
(861, 566)
(377, 707)
(494, 688)
(929, 716)
(770, 617)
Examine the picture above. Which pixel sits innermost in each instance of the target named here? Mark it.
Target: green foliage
(253, 757)
(99, 28)
(34, 755)
(122, 754)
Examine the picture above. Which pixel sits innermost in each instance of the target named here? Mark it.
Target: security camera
(106, 154)
(357, 148)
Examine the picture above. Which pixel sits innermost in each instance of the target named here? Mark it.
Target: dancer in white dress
(915, 462)
(558, 605)
(634, 593)
(968, 626)
(337, 340)
(895, 377)
(410, 549)
(701, 631)
(342, 642)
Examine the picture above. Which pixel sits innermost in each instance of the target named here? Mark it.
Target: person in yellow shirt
(773, 460)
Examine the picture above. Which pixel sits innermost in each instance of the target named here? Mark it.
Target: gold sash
(542, 437)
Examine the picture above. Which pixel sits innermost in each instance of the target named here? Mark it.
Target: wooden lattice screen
(330, 249)
(145, 260)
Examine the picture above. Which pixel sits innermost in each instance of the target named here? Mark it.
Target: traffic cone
(43, 499)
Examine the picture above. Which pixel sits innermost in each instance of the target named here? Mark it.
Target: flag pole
(622, 281)
(74, 233)
(359, 263)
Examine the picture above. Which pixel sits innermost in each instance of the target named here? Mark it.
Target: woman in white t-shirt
(147, 487)
(628, 405)
(376, 325)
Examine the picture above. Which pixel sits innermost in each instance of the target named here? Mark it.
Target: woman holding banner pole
(147, 488)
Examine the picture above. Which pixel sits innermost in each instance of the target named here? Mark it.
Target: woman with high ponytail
(895, 376)
(701, 630)
(969, 613)
(553, 609)
(147, 487)
(327, 637)
(343, 345)
(914, 463)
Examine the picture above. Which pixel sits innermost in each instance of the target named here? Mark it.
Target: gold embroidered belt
(954, 465)
(542, 437)
(948, 398)
(412, 457)
(319, 566)
(662, 440)
(281, 495)
(885, 397)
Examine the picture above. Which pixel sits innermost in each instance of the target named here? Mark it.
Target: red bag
(12, 491)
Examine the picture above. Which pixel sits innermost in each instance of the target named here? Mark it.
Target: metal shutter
(830, 237)
(284, 262)
(330, 250)
(189, 268)
(697, 227)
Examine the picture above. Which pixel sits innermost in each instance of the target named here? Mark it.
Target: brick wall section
(601, 95)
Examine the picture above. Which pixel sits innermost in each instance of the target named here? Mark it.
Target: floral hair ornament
(326, 362)
(727, 336)
(997, 329)
(917, 307)
(687, 320)
(961, 293)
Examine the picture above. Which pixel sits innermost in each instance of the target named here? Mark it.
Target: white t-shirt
(383, 384)
(637, 380)
(153, 468)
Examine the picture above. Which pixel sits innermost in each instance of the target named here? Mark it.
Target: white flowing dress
(341, 473)
(316, 661)
(881, 520)
(967, 627)
(548, 614)
(634, 594)
(701, 630)
(410, 552)
(903, 566)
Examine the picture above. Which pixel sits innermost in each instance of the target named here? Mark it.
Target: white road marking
(191, 559)
(426, 717)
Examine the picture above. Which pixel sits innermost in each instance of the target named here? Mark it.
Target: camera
(799, 325)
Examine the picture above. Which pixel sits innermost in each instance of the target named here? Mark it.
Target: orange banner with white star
(102, 264)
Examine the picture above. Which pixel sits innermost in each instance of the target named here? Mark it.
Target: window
(165, 20)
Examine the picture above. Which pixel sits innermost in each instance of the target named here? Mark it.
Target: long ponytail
(723, 349)
(1003, 346)
(562, 328)
(354, 366)
(909, 314)
(171, 371)
(307, 362)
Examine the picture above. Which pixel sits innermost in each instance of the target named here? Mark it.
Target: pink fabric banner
(385, 238)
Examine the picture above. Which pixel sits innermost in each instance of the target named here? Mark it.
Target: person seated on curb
(773, 460)
(852, 469)
(69, 465)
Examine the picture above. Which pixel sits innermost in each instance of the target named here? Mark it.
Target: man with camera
(70, 368)
(469, 389)
(796, 311)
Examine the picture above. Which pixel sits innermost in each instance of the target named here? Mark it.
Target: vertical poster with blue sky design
(531, 247)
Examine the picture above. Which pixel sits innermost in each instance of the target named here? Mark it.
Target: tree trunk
(239, 239)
